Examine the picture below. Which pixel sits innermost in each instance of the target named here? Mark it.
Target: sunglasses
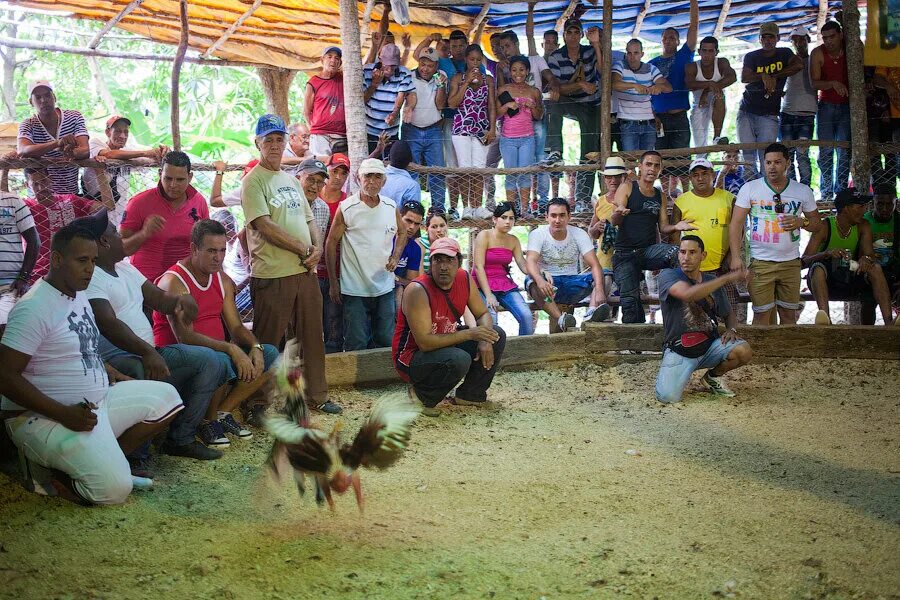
(779, 205)
(412, 204)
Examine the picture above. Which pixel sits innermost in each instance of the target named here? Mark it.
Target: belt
(427, 126)
(638, 121)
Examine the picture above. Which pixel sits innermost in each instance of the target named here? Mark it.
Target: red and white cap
(115, 118)
(39, 83)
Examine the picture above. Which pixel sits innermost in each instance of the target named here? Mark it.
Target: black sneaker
(194, 450)
(212, 434)
(232, 427)
(141, 467)
(330, 407)
(554, 159)
(255, 416)
(453, 215)
(598, 314)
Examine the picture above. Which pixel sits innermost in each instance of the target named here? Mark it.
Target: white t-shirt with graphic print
(560, 257)
(768, 241)
(60, 335)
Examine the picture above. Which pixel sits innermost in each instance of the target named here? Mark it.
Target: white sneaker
(467, 213)
(482, 213)
(716, 385)
(822, 318)
(141, 483)
(566, 322)
(598, 314)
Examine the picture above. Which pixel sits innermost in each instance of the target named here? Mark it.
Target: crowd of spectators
(148, 289)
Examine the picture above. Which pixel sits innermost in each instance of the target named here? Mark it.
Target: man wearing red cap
(114, 147)
(53, 133)
(430, 350)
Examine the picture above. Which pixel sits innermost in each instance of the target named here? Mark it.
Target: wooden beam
(822, 16)
(859, 131)
(112, 23)
(565, 15)
(240, 21)
(606, 84)
(174, 109)
(34, 45)
(479, 18)
(639, 22)
(720, 22)
(354, 106)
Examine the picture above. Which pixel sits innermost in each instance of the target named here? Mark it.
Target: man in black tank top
(641, 218)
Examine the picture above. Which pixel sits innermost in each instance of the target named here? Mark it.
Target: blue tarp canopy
(743, 19)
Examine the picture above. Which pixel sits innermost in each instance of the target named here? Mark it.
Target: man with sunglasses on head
(778, 208)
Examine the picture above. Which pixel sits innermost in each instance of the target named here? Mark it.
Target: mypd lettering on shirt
(770, 68)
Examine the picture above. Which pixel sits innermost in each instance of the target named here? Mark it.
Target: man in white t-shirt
(364, 226)
(774, 204)
(16, 226)
(118, 293)
(116, 147)
(555, 257)
(71, 426)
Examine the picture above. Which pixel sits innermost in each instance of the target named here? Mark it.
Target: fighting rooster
(312, 452)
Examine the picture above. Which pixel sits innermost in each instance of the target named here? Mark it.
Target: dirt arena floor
(575, 485)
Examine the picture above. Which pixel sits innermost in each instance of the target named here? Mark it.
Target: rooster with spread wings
(320, 455)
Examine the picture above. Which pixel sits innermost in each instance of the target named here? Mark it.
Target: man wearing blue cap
(323, 107)
(285, 247)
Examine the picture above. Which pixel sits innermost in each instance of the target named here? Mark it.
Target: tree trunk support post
(859, 132)
(354, 106)
(113, 22)
(276, 85)
(176, 76)
(639, 22)
(228, 32)
(720, 22)
(606, 85)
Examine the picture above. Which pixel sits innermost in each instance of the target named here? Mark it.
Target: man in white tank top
(364, 226)
(707, 78)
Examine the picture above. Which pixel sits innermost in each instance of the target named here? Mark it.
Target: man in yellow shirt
(709, 209)
(601, 228)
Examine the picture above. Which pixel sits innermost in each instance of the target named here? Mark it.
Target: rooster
(331, 465)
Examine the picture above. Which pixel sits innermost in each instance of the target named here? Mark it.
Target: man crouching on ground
(692, 304)
(430, 349)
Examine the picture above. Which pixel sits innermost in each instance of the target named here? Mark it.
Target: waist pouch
(693, 344)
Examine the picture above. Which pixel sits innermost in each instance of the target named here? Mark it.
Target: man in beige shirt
(284, 251)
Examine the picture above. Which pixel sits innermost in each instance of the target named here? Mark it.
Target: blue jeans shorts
(570, 289)
(675, 370)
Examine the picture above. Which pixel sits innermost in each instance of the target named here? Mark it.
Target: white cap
(800, 30)
(700, 162)
(614, 166)
(37, 84)
(371, 165)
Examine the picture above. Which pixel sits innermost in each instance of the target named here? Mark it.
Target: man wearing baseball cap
(114, 147)
(69, 142)
(841, 258)
(601, 227)
(323, 106)
(422, 121)
(429, 350)
(285, 246)
(365, 226)
(387, 84)
(708, 208)
(765, 72)
(798, 111)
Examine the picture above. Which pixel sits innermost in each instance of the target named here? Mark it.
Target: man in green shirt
(841, 259)
(284, 250)
(885, 230)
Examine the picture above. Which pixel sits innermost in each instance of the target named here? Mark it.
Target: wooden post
(822, 17)
(276, 85)
(176, 76)
(354, 106)
(112, 23)
(606, 85)
(228, 32)
(720, 22)
(639, 22)
(859, 132)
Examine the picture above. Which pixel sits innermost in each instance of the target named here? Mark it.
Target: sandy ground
(574, 485)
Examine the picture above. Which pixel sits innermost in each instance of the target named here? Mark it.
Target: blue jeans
(270, 355)
(675, 370)
(799, 127)
(628, 268)
(543, 179)
(517, 152)
(752, 129)
(332, 320)
(570, 289)
(369, 322)
(517, 307)
(833, 123)
(427, 149)
(637, 135)
(195, 372)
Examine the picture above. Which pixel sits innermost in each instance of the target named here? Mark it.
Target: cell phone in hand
(506, 98)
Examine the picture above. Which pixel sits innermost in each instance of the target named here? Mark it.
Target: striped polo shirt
(382, 101)
(64, 178)
(582, 69)
(634, 106)
(15, 219)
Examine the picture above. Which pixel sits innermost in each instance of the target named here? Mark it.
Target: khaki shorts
(775, 284)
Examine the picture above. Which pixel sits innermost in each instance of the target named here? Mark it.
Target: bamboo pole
(112, 23)
(566, 13)
(822, 17)
(638, 23)
(240, 21)
(859, 131)
(354, 106)
(606, 83)
(723, 16)
(176, 76)
(35, 45)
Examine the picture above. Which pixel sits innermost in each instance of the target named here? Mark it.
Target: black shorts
(843, 284)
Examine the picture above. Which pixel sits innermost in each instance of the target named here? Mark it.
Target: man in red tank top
(245, 360)
(323, 107)
(430, 351)
(828, 74)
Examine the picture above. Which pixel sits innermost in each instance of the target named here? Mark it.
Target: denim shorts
(270, 355)
(570, 289)
(675, 370)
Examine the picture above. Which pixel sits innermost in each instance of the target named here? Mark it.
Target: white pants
(470, 152)
(447, 141)
(701, 121)
(93, 459)
(7, 300)
(321, 144)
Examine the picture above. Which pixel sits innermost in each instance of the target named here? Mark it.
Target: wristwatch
(805, 222)
(258, 347)
(220, 172)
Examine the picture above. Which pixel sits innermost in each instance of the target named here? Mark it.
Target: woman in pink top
(495, 250)
(517, 130)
